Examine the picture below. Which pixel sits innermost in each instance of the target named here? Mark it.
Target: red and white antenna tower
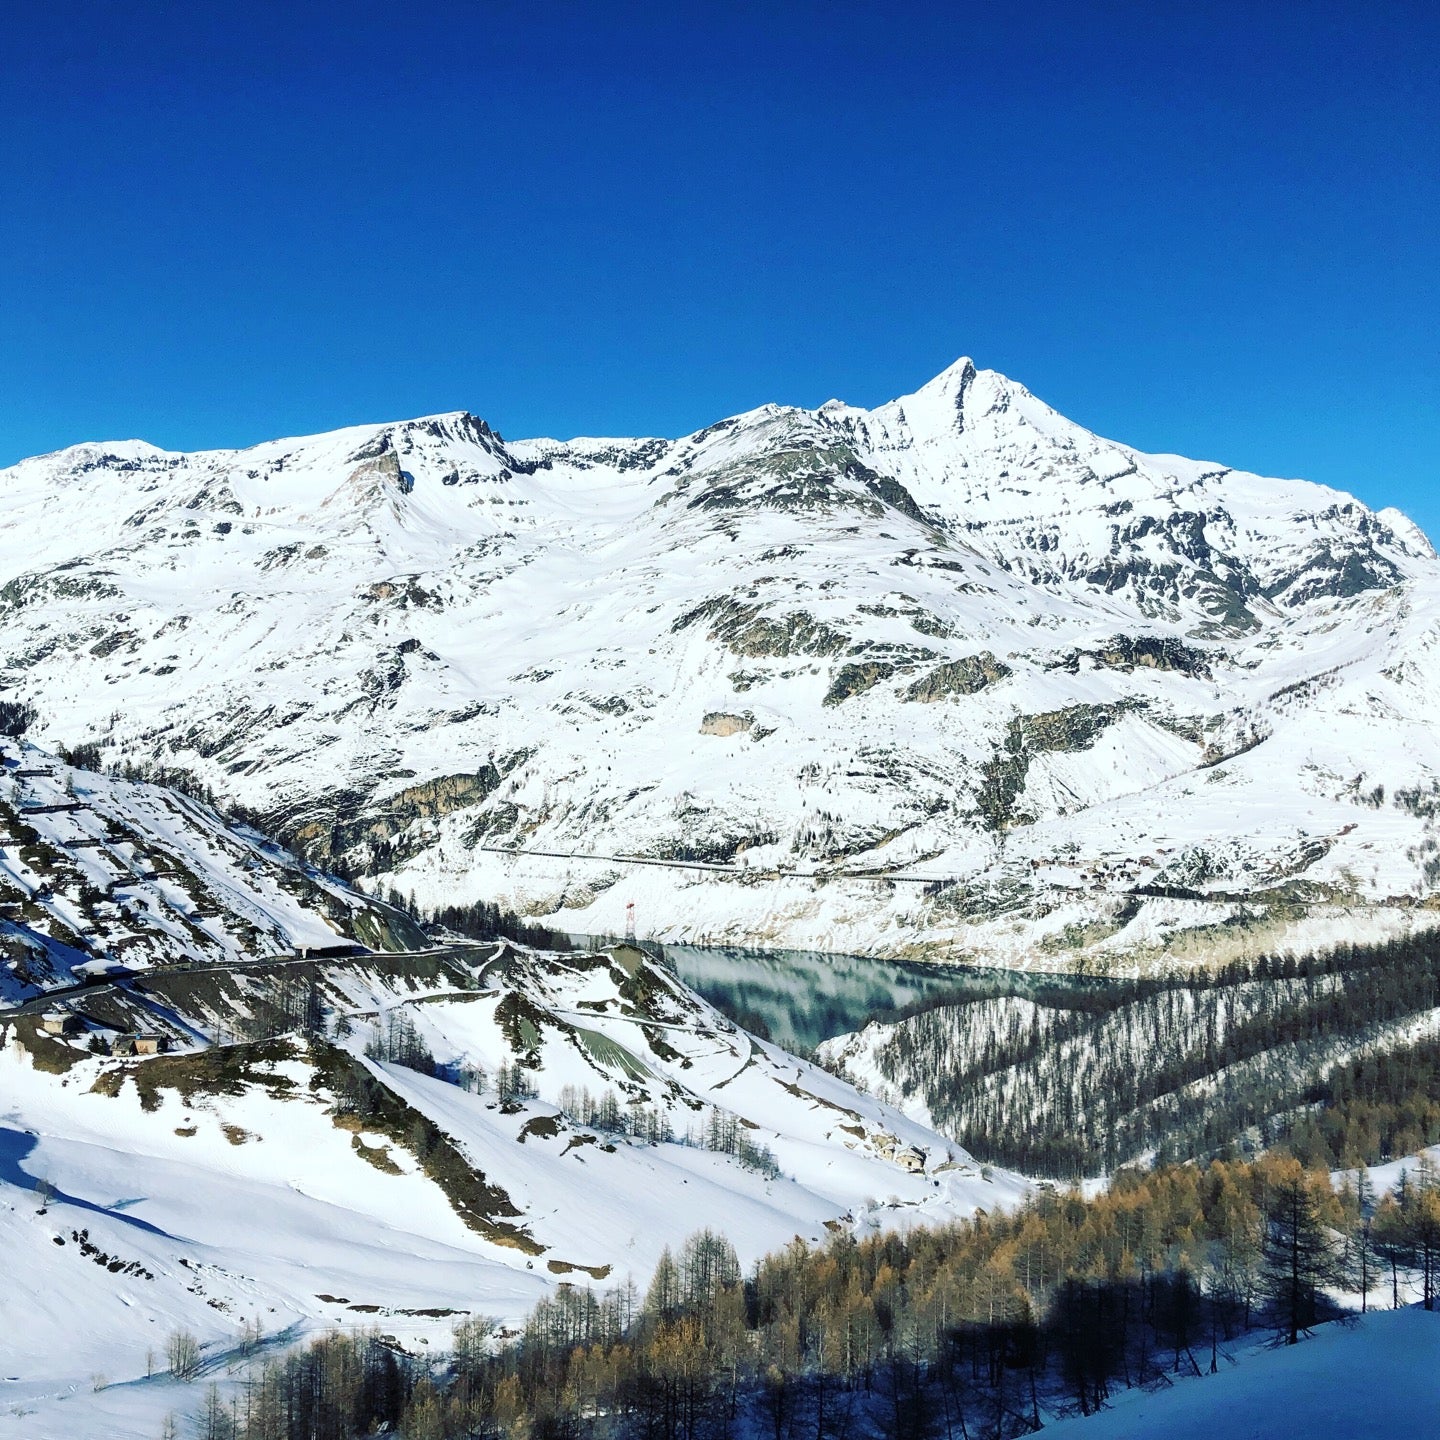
(630, 921)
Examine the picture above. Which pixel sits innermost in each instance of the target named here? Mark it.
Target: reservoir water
(806, 996)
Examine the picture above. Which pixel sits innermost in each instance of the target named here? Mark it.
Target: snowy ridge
(953, 676)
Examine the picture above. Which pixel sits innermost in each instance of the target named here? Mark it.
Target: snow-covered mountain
(953, 676)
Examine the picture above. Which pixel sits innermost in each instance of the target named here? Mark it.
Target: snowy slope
(957, 641)
(98, 872)
(1369, 1381)
(306, 1183)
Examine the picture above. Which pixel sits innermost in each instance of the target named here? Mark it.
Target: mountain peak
(938, 406)
(1410, 536)
(953, 377)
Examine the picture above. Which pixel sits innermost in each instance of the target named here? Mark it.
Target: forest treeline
(395, 1039)
(978, 1330)
(486, 921)
(1079, 1081)
(1369, 1110)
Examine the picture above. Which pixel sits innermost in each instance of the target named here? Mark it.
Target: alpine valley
(951, 678)
(238, 1098)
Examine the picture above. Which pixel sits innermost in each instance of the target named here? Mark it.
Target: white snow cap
(1410, 536)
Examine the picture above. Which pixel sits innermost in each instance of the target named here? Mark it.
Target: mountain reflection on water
(802, 997)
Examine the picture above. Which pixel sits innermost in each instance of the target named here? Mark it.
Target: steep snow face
(957, 642)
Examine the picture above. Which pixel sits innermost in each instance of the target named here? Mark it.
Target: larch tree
(1299, 1254)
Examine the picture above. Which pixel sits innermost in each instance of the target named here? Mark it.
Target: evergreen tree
(1299, 1255)
(664, 1297)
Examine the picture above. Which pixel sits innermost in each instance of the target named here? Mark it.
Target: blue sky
(1204, 228)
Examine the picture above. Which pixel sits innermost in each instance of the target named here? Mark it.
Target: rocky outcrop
(856, 679)
(720, 722)
(966, 676)
(1146, 652)
(746, 629)
(1003, 776)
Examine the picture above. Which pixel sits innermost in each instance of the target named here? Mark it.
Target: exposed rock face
(1073, 728)
(982, 647)
(718, 722)
(1127, 652)
(746, 630)
(966, 676)
(856, 679)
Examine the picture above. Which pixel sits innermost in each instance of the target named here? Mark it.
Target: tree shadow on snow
(16, 1146)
